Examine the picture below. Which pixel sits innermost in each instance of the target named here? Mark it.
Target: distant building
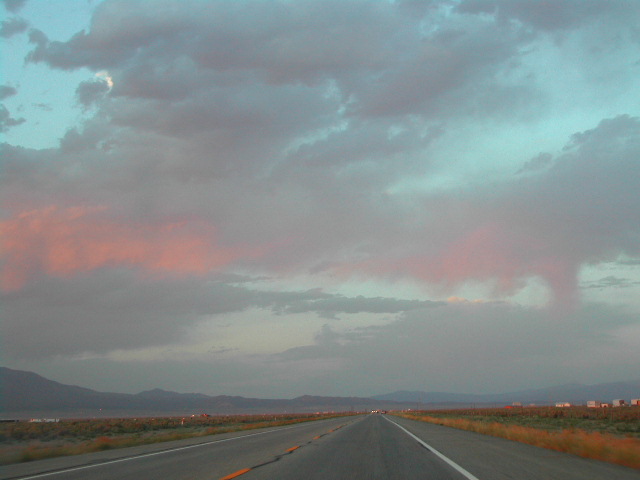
(635, 402)
(594, 404)
(563, 404)
(619, 403)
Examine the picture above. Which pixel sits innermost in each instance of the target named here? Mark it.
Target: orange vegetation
(599, 446)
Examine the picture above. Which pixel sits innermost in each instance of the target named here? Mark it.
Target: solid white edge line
(135, 457)
(453, 464)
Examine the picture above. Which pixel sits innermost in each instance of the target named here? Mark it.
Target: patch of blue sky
(616, 282)
(45, 97)
(46, 100)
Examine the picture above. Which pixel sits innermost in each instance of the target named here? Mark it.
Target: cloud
(90, 91)
(538, 162)
(484, 347)
(13, 5)
(38, 38)
(611, 281)
(92, 135)
(7, 91)
(328, 306)
(115, 311)
(108, 310)
(546, 16)
(43, 106)
(13, 26)
(226, 38)
(373, 143)
(7, 121)
(208, 44)
(64, 241)
(629, 261)
(104, 75)
(467, 348)
(276, 121)
(529, 228)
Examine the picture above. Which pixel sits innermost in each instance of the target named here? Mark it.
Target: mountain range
(25, 394)
(573, 393)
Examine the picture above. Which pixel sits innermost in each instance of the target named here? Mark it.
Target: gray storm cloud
(234, 146)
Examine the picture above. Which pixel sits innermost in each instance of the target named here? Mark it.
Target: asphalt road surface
(363, 447)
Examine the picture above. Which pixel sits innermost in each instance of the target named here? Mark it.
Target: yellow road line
(236, 474)
(293, 448)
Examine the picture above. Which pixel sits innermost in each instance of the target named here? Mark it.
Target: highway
(359, 447)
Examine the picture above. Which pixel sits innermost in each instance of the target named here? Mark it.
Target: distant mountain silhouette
(26, 394)
(574, 393)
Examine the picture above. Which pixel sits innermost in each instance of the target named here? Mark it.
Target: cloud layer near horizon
(267, 157)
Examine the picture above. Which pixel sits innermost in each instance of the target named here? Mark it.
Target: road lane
(360, 447)
(207, 458)
(369, 449)
(492, 458)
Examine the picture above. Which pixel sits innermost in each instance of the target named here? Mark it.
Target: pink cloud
(490, 252)
(65, 241)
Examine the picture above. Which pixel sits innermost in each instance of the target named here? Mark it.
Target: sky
(273, 198)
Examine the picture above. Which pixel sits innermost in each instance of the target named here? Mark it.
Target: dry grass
(25, 442)
(599, 446)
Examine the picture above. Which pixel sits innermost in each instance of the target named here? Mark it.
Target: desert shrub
(25, 441)
(596, 444)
